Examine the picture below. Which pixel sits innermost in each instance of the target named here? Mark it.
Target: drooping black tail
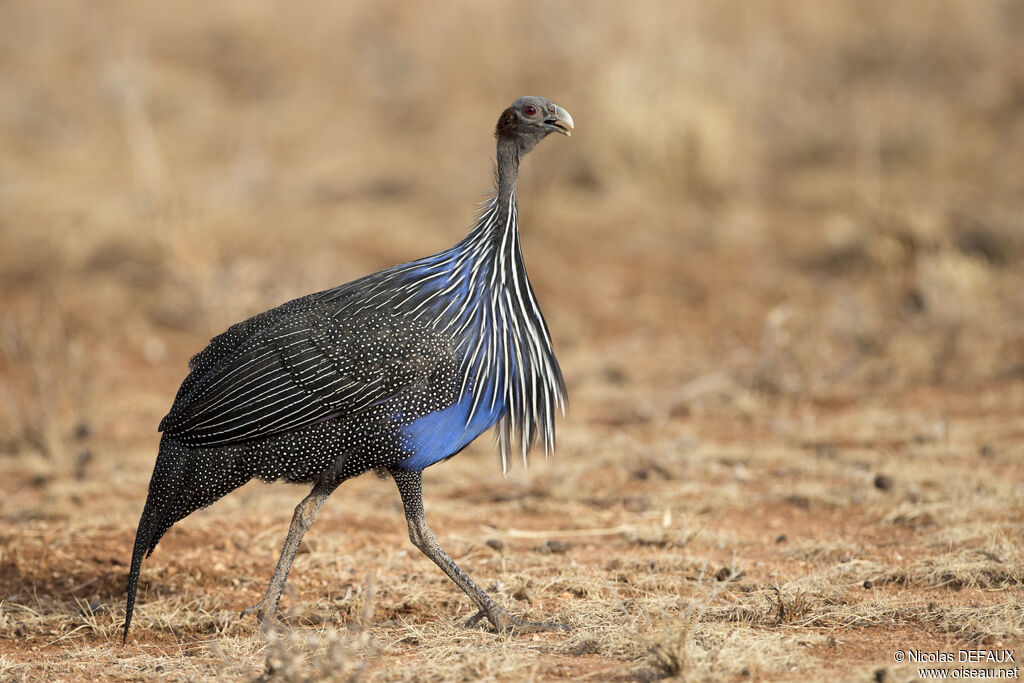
(184, 480)
(141, 550)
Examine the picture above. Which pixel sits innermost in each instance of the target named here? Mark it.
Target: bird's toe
(476, 619)
(523, 626)
(503, 622)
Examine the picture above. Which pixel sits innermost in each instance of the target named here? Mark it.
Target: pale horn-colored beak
(562, 121)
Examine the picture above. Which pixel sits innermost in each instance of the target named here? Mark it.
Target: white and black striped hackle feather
(478, 294)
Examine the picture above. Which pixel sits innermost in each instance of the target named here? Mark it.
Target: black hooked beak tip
(561, 121)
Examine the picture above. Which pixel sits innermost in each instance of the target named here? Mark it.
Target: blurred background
(782, 260)
(794, 199)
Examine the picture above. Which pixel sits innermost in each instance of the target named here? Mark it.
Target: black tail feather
(184, 480)
(140, 551)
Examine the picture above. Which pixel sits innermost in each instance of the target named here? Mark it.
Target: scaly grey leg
(302, 520)
(410, 485)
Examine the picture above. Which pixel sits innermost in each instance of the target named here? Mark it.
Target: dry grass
(782, 261)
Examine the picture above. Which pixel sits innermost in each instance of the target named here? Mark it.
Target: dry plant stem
(304, 517)
(410, 485)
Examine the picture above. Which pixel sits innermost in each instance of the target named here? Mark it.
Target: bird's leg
(302, 520)
(410, 485)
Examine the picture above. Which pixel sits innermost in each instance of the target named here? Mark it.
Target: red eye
(529, 110)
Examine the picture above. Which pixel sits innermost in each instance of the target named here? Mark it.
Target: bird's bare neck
(508, 169)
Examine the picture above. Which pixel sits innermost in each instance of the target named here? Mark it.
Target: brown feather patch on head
(505, 124)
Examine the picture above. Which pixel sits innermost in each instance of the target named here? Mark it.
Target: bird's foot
(267, 615)
(504, 622)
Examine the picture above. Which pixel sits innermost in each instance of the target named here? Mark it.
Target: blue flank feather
(442, 434)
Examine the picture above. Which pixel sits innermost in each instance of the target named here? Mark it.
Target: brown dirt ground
(782, 261)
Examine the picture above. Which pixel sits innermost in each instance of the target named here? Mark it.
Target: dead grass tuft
(328, 655)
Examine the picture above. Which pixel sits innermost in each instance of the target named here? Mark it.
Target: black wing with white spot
(300, 367)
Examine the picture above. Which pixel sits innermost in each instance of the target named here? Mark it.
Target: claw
(269, 619)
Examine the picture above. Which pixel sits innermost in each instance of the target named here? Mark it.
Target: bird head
(531, 119)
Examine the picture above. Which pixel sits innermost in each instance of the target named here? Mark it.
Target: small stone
(781, 538)
(81, 462)
(93, 608)
(883, 482)
(867, 584)
(554, 546)
(495, 544)
(614, 374)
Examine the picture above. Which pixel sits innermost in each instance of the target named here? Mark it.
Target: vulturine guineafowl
(395, 371)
